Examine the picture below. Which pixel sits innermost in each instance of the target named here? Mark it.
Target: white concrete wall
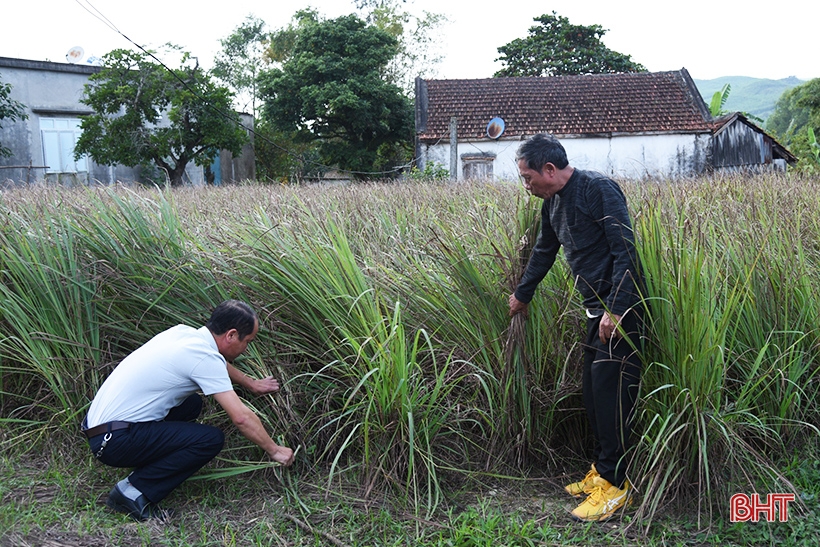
(659, 156)
(635, 157)
(54, 90)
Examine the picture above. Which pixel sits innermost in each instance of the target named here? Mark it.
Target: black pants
(163, 454)
(610, 389)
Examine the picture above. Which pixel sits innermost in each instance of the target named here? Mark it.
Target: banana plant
(718, 100)
(814, 146)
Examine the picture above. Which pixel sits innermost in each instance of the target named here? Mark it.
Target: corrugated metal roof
(595, 104)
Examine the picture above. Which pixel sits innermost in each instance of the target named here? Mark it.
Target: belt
(105, 428)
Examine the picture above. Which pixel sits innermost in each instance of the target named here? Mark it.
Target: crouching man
(143, 416)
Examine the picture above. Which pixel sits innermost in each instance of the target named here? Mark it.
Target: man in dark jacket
(586, 214)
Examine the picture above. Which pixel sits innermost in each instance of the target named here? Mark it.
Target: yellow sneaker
(578, 489)
(603, 501)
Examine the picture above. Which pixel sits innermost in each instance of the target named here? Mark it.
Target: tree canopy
(330, 89)
(11, 110)
(418, 53)
(796, 119)
(282, 42)
(556, 47)
(147, 114)
(241, 59)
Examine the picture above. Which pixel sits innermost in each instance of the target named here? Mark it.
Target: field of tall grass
(383, 310)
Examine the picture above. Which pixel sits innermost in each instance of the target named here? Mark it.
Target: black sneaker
(139, 509)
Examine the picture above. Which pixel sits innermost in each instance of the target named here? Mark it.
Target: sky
(710, 38)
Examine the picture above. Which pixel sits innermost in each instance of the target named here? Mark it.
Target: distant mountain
(755, 96)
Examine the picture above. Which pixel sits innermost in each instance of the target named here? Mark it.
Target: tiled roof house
(635, 125)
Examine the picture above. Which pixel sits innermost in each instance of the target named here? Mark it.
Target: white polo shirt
(160, 375)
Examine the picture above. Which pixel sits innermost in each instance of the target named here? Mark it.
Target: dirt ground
(539, 499)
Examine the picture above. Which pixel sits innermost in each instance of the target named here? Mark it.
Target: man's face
(234, 347)
(544, 184)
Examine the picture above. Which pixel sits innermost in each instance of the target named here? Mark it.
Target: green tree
(241, 59)
(10, 109)
(282, 43)
(299, 158)
(147, 114)
(418, 53)
(790, 115)
(330, 89)
(556, 48)
(276, 163)
(798, 110)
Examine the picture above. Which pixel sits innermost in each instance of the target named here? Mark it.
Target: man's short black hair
(541, 149)
(232, 314)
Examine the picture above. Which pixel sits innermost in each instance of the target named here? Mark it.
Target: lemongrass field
(383, 311)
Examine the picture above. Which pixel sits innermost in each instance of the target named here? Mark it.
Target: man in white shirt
(144, 414)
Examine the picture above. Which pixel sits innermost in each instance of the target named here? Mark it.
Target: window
(478, 166)
(59, 137)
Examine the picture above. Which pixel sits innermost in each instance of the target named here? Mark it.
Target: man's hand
(251, 427)
(283, 455)
(257, 387)
(264, 386)
(516, 306)
(608, 327)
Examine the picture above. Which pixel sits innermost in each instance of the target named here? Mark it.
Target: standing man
(586, 213)
(144, 414)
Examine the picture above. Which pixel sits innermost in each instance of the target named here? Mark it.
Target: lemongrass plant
(384, 312)
(731, 356)
(379, 399)
(459, 288)
(86, 277)
(51, 333)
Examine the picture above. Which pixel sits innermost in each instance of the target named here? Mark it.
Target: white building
(42, 145)
(633, 125)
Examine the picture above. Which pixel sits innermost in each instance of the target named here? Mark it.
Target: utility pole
(453, 148)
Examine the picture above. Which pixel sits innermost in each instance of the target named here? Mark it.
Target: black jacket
(590, 219)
